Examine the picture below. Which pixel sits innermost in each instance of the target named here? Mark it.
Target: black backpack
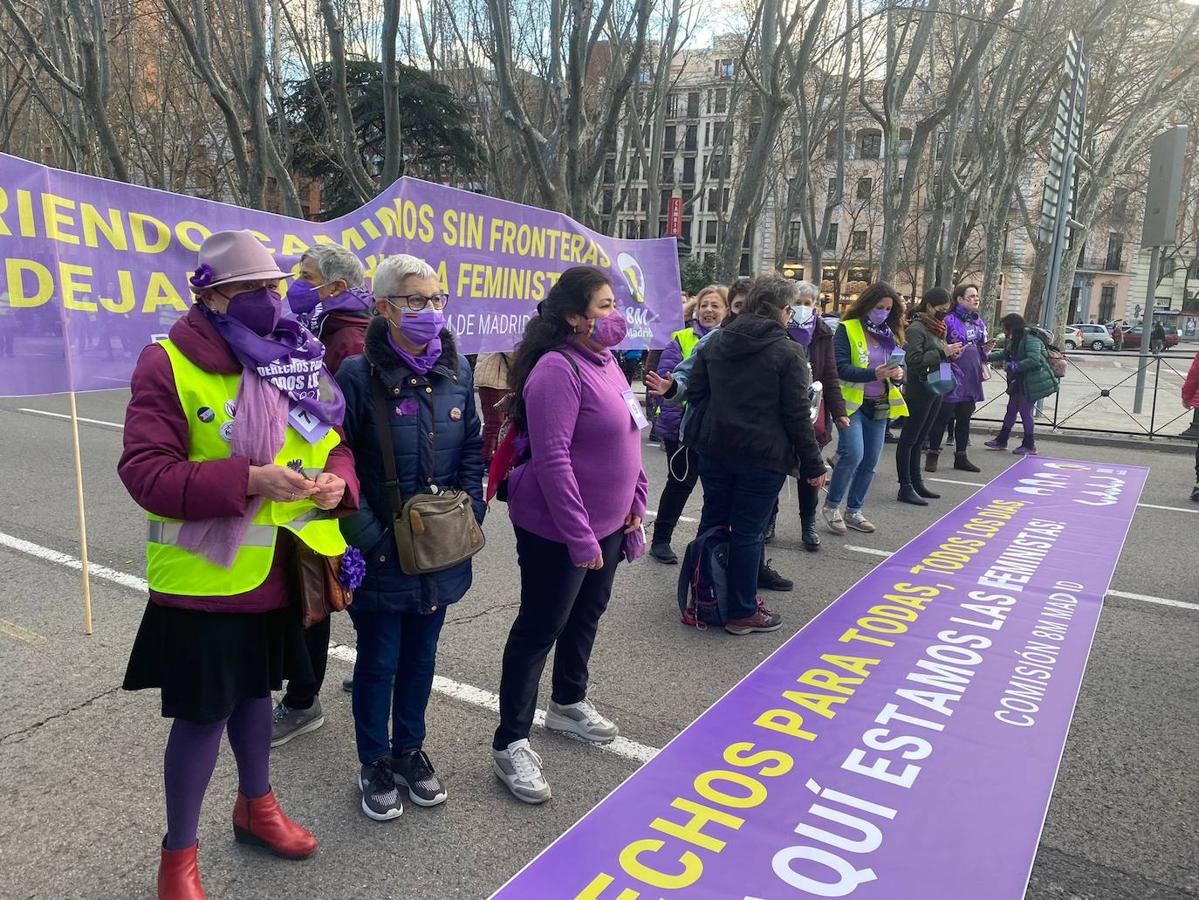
(703, 580)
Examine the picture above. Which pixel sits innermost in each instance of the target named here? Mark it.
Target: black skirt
(206, 663)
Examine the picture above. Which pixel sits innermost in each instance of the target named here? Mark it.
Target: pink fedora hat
(228, 256)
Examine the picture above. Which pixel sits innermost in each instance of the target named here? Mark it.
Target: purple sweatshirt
(969, 329)
(584, 476)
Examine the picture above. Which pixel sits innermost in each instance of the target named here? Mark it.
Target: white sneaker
(581, 720)
(834, 520)
(519, 767)
(858, 522)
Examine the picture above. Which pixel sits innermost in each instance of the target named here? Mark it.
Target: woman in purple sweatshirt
(964, 326)
(576, 504)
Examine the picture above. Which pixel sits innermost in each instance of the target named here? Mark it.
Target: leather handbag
(321, 590)
(435, 530)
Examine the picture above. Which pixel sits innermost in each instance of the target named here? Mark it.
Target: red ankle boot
(262, 823)
(178, 876)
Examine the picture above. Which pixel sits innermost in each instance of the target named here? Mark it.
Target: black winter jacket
(436, 433)
(749, 391)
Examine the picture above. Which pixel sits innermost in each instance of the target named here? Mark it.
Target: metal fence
(1097, 393)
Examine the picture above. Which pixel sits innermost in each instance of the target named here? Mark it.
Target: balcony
(1106, 263)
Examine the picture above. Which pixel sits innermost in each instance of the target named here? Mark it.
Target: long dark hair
(548, 330)
(872, 297)
(1013, 324)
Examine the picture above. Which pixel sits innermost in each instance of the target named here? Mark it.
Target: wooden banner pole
(87, 587)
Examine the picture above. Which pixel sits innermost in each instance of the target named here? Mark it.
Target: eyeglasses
(418, 302)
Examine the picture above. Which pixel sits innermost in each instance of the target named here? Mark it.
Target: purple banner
(904, 744)
(92, 270)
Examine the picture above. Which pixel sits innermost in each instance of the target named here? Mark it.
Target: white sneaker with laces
(519, 767)
(581, 720)
(834, 520)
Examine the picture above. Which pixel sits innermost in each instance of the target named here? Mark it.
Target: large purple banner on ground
(904, 744)
(92, 270)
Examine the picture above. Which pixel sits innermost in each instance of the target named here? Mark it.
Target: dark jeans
(959, 414)
(1018, 405)
(739, 497)
(680, 461)
(393, 677)
(304, 686)
(559, 603)
(923, 408)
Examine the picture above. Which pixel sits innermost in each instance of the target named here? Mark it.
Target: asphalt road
(80, 760)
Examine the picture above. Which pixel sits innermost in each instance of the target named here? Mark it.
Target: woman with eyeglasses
(428, 397)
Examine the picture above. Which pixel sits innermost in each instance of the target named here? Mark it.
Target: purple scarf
(881, 333)
(291, 359)
(418, 364)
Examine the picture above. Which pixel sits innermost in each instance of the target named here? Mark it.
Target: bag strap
(386, 446)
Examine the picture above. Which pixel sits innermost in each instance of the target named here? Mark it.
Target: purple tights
(1018, 405)
(191, 756)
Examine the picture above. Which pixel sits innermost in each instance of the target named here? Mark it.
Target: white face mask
(801, 315)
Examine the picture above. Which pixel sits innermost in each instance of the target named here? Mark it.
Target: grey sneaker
(858, 522)
(581, 720)
(519, 767)
(413, 770)
(291, 723)
(834, 520)
(380, 796)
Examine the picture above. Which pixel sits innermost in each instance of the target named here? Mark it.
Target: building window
(870, 144)
(610, 170)
(693, 105)
(607, 206)
(858, 243)
(716, 167)
(832, 187)
(754, 128)
(722, 100)
(1115, 249)
(724, 68)
(942, 136)
(794, 241)
(905, 142)
(710, 232)
(667, 170)
(644, 207)
(672, 106)
(663, 203)
(718, 134)
(689, 170)
(692, 140)
(1107, 303)
(830, 237)
(865, 188)
(670, 137)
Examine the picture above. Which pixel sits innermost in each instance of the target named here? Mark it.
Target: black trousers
(305, 683)
(809, 502)
(959, 414)
(923, 408)
(559, 603)
(680, 461)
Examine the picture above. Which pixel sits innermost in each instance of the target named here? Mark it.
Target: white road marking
(466, 693)
(54, 415)
(951, 481)
(1181, 509)
(1147, 598)
(654, 513)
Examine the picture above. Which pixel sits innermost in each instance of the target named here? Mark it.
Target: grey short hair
(390, 274)
(807, 289)
(336, 264)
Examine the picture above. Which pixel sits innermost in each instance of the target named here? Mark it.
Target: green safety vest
(854, 392)
(170, 569)
(687, 339)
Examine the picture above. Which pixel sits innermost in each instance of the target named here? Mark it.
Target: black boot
(962, 463)
(907, 494)
(770, 580)
(930, 461)
(662, 552)
(811, 540)
(917, 479)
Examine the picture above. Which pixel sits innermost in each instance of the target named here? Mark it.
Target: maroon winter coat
(159, 477)
(344, 335)
(823, 360)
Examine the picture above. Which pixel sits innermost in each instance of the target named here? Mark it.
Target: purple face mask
(258, 310)
(878, 315)
(610, 330)
(422, 327)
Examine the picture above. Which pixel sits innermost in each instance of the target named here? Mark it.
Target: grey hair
(806, 289)
(336, 264)
(390, 273)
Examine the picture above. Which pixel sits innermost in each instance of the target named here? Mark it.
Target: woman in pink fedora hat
(232, 446)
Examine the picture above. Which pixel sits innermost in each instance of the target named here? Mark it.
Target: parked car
(1073, 338)
(1097, 337)
(1132, 337)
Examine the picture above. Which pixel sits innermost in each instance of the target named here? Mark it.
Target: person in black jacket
(751, 426)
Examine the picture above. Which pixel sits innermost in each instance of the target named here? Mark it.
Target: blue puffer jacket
(435, 429)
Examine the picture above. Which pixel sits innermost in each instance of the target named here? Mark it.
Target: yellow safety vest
(206, 399)
(854, 392)
(687, 339)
